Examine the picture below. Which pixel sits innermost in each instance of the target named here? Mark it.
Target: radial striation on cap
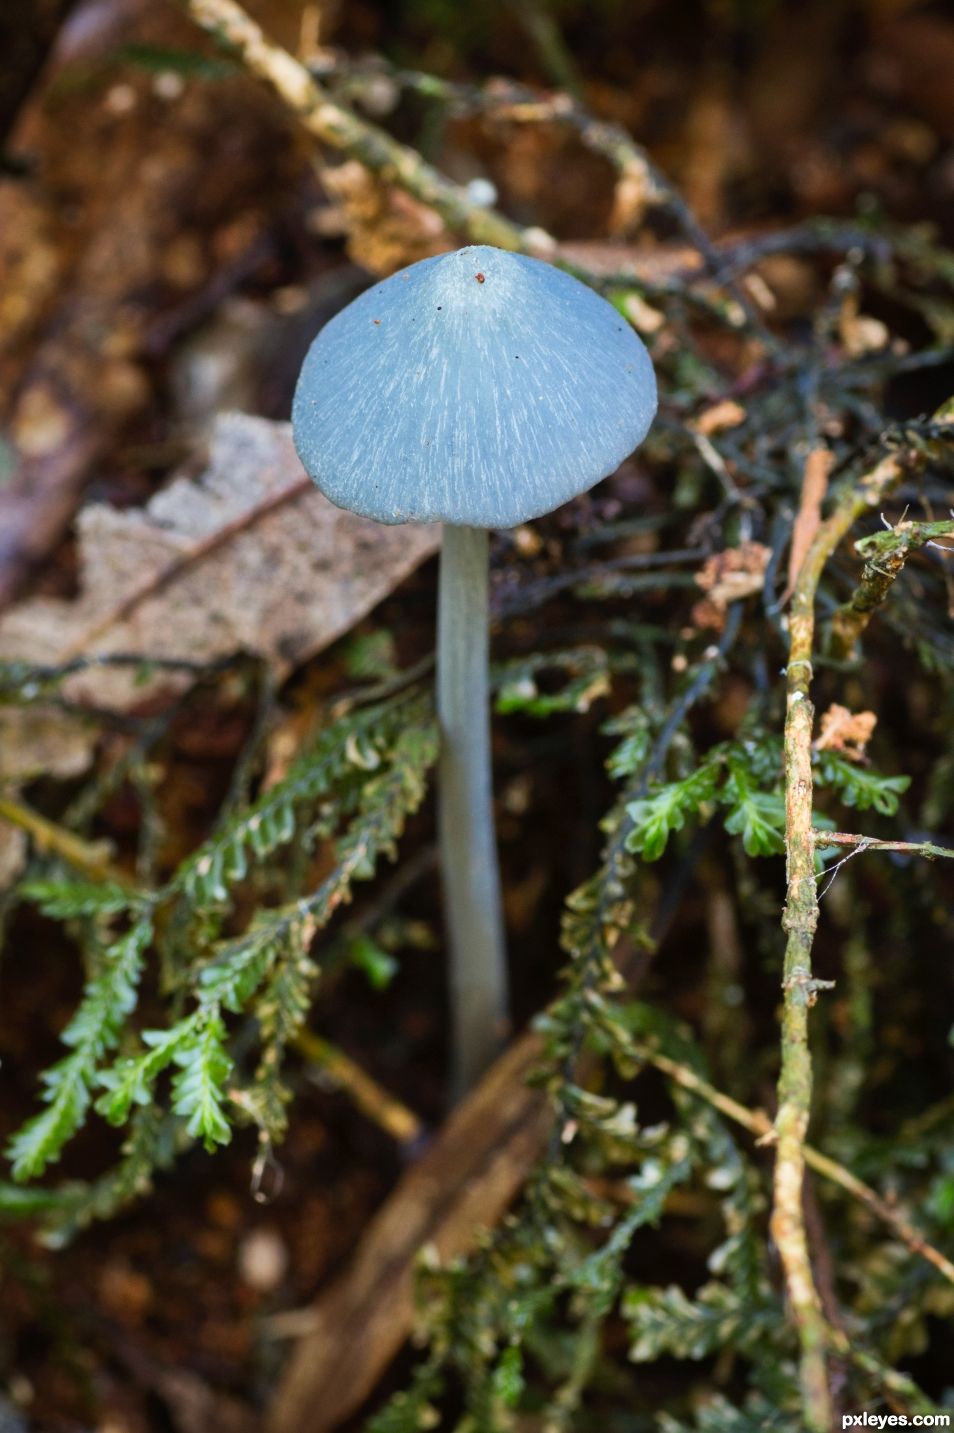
(477, 388)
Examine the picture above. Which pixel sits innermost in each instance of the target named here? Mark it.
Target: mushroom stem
(472, 904)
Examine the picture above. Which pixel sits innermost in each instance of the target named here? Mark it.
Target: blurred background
(169, 243)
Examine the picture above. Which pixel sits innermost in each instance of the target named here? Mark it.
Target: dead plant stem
(799, 920)
(340, 129)
(758, 1123)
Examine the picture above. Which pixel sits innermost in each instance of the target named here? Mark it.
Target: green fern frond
(199, 1089)
(348, 748)
(109, 997)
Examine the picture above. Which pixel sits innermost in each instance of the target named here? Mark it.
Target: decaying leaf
(845, 731)
(727, 576)
(385, 227)
(861, 333)
(248, 557)
(144, 204)
(719, 417)
(41, 742)
(36, 742)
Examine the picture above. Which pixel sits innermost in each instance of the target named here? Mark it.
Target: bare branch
(886, 554)
(799, 920)
(340, 129)
(758, 1123)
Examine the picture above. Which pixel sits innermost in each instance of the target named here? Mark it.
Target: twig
(818, 465)
(799, 920)
(340, 129)
(887, 553)
(372, 1099)
(901, 1393)
(758, 1123)
(505, 101)
(714, 460)
(82, 855)
(639, 183)
(928, 849)
(530, 594)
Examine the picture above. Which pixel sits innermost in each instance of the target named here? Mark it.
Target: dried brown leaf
(727, 414)
(385, 227)
(845, 731)
(38, 741)
(736, 572)
(248, 557)
(708, 615)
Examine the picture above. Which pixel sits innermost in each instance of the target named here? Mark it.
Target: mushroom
(478, 389)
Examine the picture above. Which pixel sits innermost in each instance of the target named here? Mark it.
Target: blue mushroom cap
(479, 388)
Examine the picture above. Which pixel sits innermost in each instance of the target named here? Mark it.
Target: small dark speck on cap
(439, 307)
(480, 278)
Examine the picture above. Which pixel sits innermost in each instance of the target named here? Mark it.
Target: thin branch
(340, 129)
(503, 100)
(758, 1123)
(901, 1393)
(886, 554)
(84, 856)
(928, 849)
(800, 919)
(818, 466)
(372, 1099)
(639, 182)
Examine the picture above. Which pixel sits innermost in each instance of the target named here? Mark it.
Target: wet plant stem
(799, 921)
(472, 902)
